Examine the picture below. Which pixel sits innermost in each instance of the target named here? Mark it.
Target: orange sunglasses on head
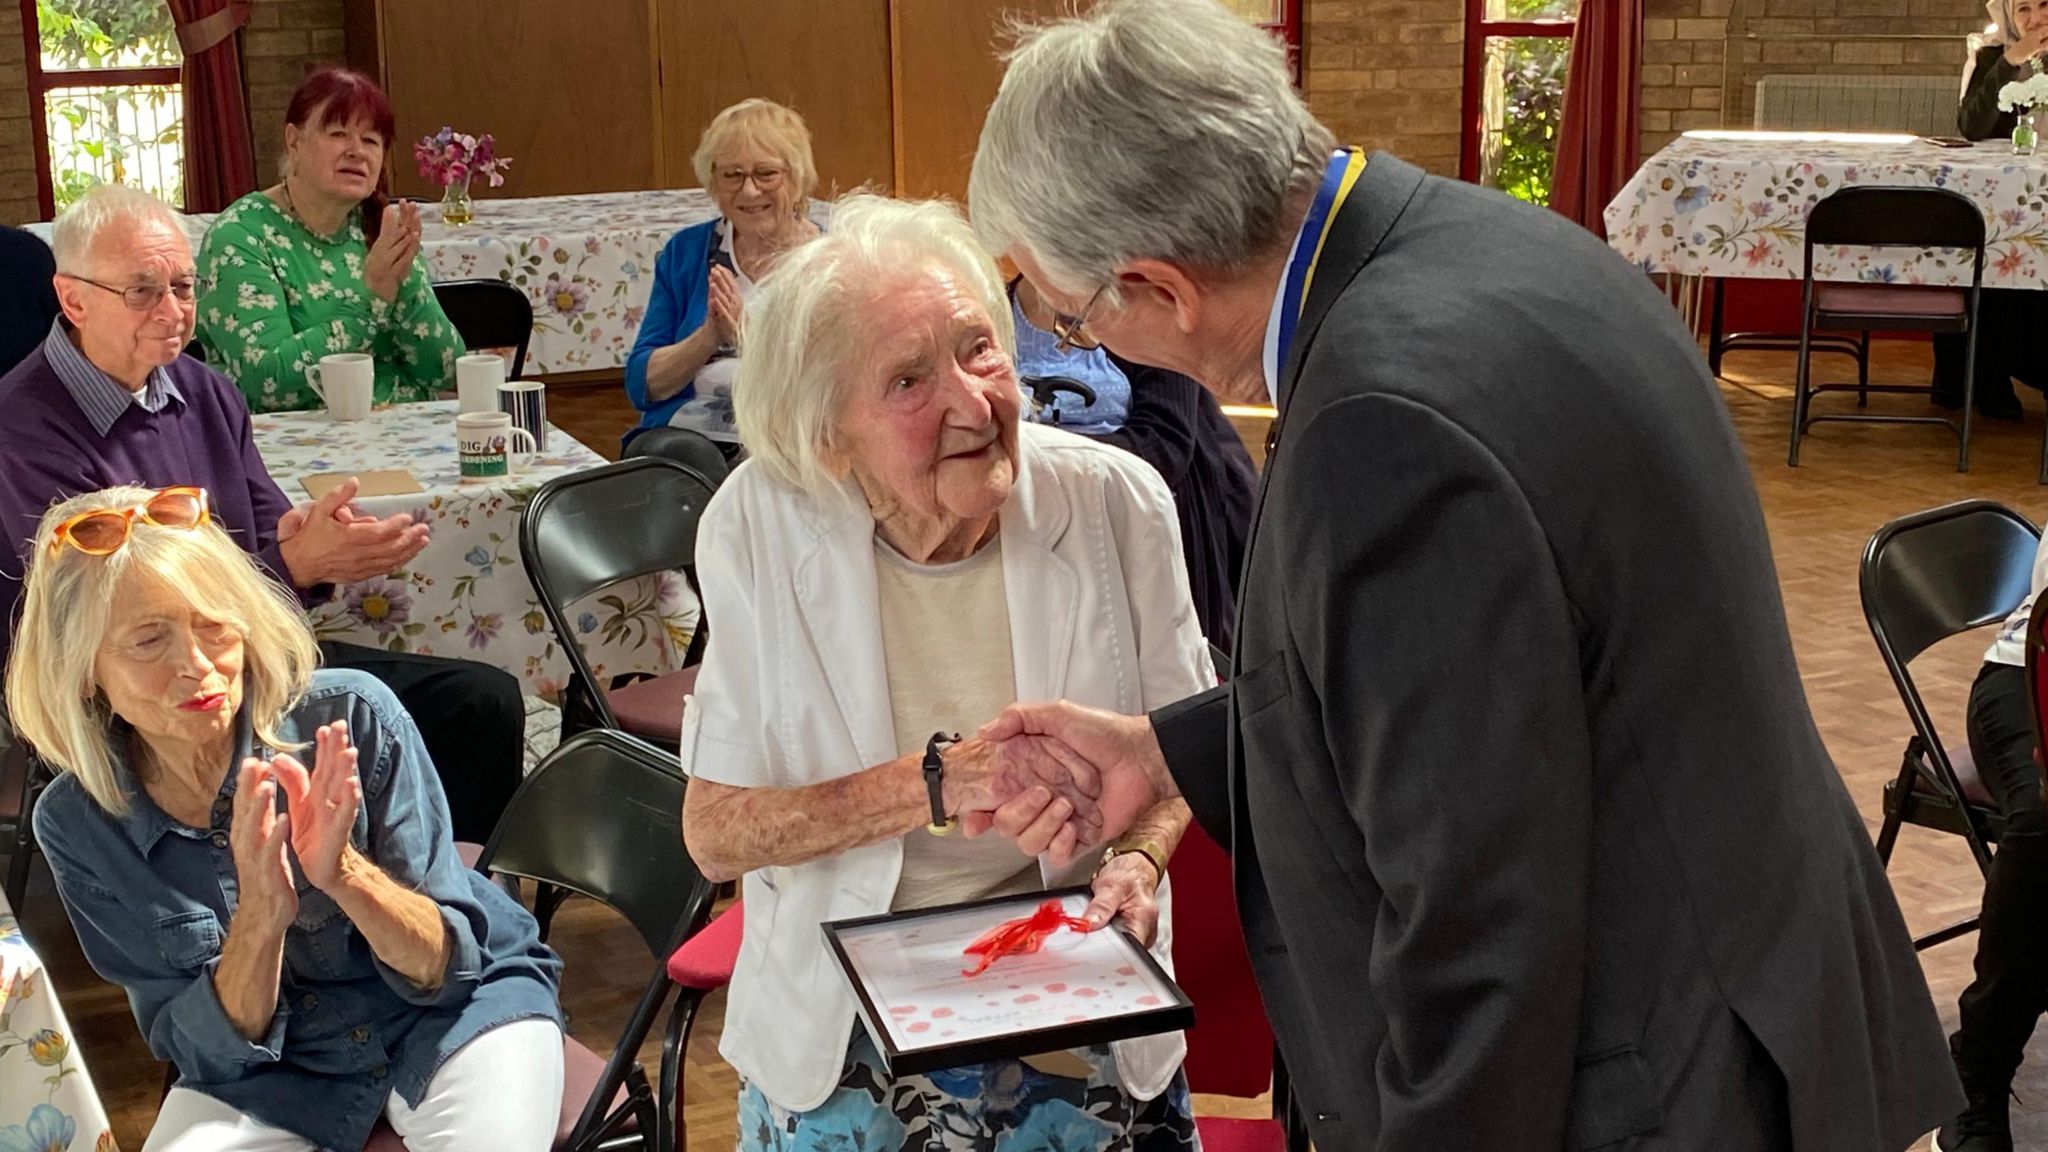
(102, 531)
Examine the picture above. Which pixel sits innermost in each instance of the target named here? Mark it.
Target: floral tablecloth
(1734, 204)
(47, 1101)
(586, 262)
(467, 595)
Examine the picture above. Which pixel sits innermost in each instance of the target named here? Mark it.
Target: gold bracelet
(1145, 848)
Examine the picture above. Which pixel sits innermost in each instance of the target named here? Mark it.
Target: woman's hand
(724, 305)
(391, 257)
(269, 901)
(1124, 891)
(323, 804)
(1023, 791)
(2030, 45)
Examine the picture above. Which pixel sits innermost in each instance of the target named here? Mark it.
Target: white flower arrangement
(2024, 95)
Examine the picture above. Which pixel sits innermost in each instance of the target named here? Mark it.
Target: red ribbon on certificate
(1022, 936)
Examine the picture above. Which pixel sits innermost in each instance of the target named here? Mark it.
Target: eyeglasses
(143, 297)
(1070, 329)
(767, 179)
(103, 531)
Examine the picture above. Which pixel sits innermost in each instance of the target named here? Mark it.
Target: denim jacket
(152, 899)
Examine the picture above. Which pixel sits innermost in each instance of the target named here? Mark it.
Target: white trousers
(501, 1092)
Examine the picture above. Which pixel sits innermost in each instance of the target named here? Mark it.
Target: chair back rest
(1942, 572)
(1873, 216)
(28, 300)
(489, 314)
(685, 446)
(601, 815)
(589, 530)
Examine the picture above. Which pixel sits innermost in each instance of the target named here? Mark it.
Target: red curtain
(1597, 146)
(220, 162)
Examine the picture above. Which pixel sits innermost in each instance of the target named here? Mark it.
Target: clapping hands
(329, 541)
(391, 257)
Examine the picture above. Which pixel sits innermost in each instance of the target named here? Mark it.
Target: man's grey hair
(76, 234)
(805, 330)
(1162, 129)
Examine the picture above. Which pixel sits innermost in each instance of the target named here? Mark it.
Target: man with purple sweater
(109, 399)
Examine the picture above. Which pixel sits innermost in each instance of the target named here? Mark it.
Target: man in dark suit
(1536, 844)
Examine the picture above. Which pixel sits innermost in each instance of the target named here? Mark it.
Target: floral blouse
(278, 298)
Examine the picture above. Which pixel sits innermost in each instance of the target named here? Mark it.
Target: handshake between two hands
(1060, 779)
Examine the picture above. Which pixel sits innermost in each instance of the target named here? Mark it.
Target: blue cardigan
(682, 284)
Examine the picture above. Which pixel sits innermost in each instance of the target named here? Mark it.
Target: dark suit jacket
(1176, 426)
(28, 300)
(1536, 844)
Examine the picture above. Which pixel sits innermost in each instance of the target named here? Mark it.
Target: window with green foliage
(106, 77)
(1516, 56)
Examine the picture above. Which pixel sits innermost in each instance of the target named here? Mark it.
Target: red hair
(345, 96)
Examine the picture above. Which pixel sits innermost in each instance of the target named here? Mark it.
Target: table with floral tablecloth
(586, 262)
(467, 595)
(1734, 204)
(47, 1101)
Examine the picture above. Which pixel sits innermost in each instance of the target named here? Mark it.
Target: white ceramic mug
(486, 441)
(347, 381)
(477, 376)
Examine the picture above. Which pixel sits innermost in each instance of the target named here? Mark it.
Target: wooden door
(946, 68)
(828, 59)
(571, 100)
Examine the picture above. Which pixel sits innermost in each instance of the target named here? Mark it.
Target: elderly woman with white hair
(901, 556)
(303, 945)
(755, 159)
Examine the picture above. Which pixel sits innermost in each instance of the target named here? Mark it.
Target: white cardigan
(794, 692)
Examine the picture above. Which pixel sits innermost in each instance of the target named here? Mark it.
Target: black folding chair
(489, 314)
(601, 816)
(1883, 217)
(589, 531)
(685, 446)
(1925, 578)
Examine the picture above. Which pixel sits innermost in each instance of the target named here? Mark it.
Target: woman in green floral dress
(320, 263)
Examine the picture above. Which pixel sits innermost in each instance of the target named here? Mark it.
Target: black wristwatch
(935, 781)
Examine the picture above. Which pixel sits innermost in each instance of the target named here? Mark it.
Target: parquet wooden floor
(1853, 479)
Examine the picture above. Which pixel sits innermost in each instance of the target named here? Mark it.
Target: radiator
(1921, 105)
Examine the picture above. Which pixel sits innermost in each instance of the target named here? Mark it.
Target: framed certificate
(909, 974)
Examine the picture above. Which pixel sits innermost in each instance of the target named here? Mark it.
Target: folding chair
(1927, 577)
(1866, 216)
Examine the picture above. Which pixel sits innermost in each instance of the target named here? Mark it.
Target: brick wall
(1700, 54)
(285, 40)
(1388, 74)
(17, 154)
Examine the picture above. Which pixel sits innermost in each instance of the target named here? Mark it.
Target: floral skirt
(1001, 1106)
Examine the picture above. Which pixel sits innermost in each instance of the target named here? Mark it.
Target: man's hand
(1032, 792)
(327, 543)
(1116, 756)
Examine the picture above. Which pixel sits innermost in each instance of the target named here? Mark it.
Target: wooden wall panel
(946, 72)
(828, 59)
(571, 100)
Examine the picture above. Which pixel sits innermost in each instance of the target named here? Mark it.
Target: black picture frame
(1176, 1014)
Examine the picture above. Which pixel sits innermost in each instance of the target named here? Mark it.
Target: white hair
(802, 334)
(75, 236)
(1162, 129)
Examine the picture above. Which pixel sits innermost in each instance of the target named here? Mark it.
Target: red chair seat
(1221, 1134)
(705, 960)
(581, 1070)
(468, 853)
(1904, 301)
(1965, 765)
(653, 709)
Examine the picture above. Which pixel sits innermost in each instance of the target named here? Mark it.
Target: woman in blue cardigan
(755, 157)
